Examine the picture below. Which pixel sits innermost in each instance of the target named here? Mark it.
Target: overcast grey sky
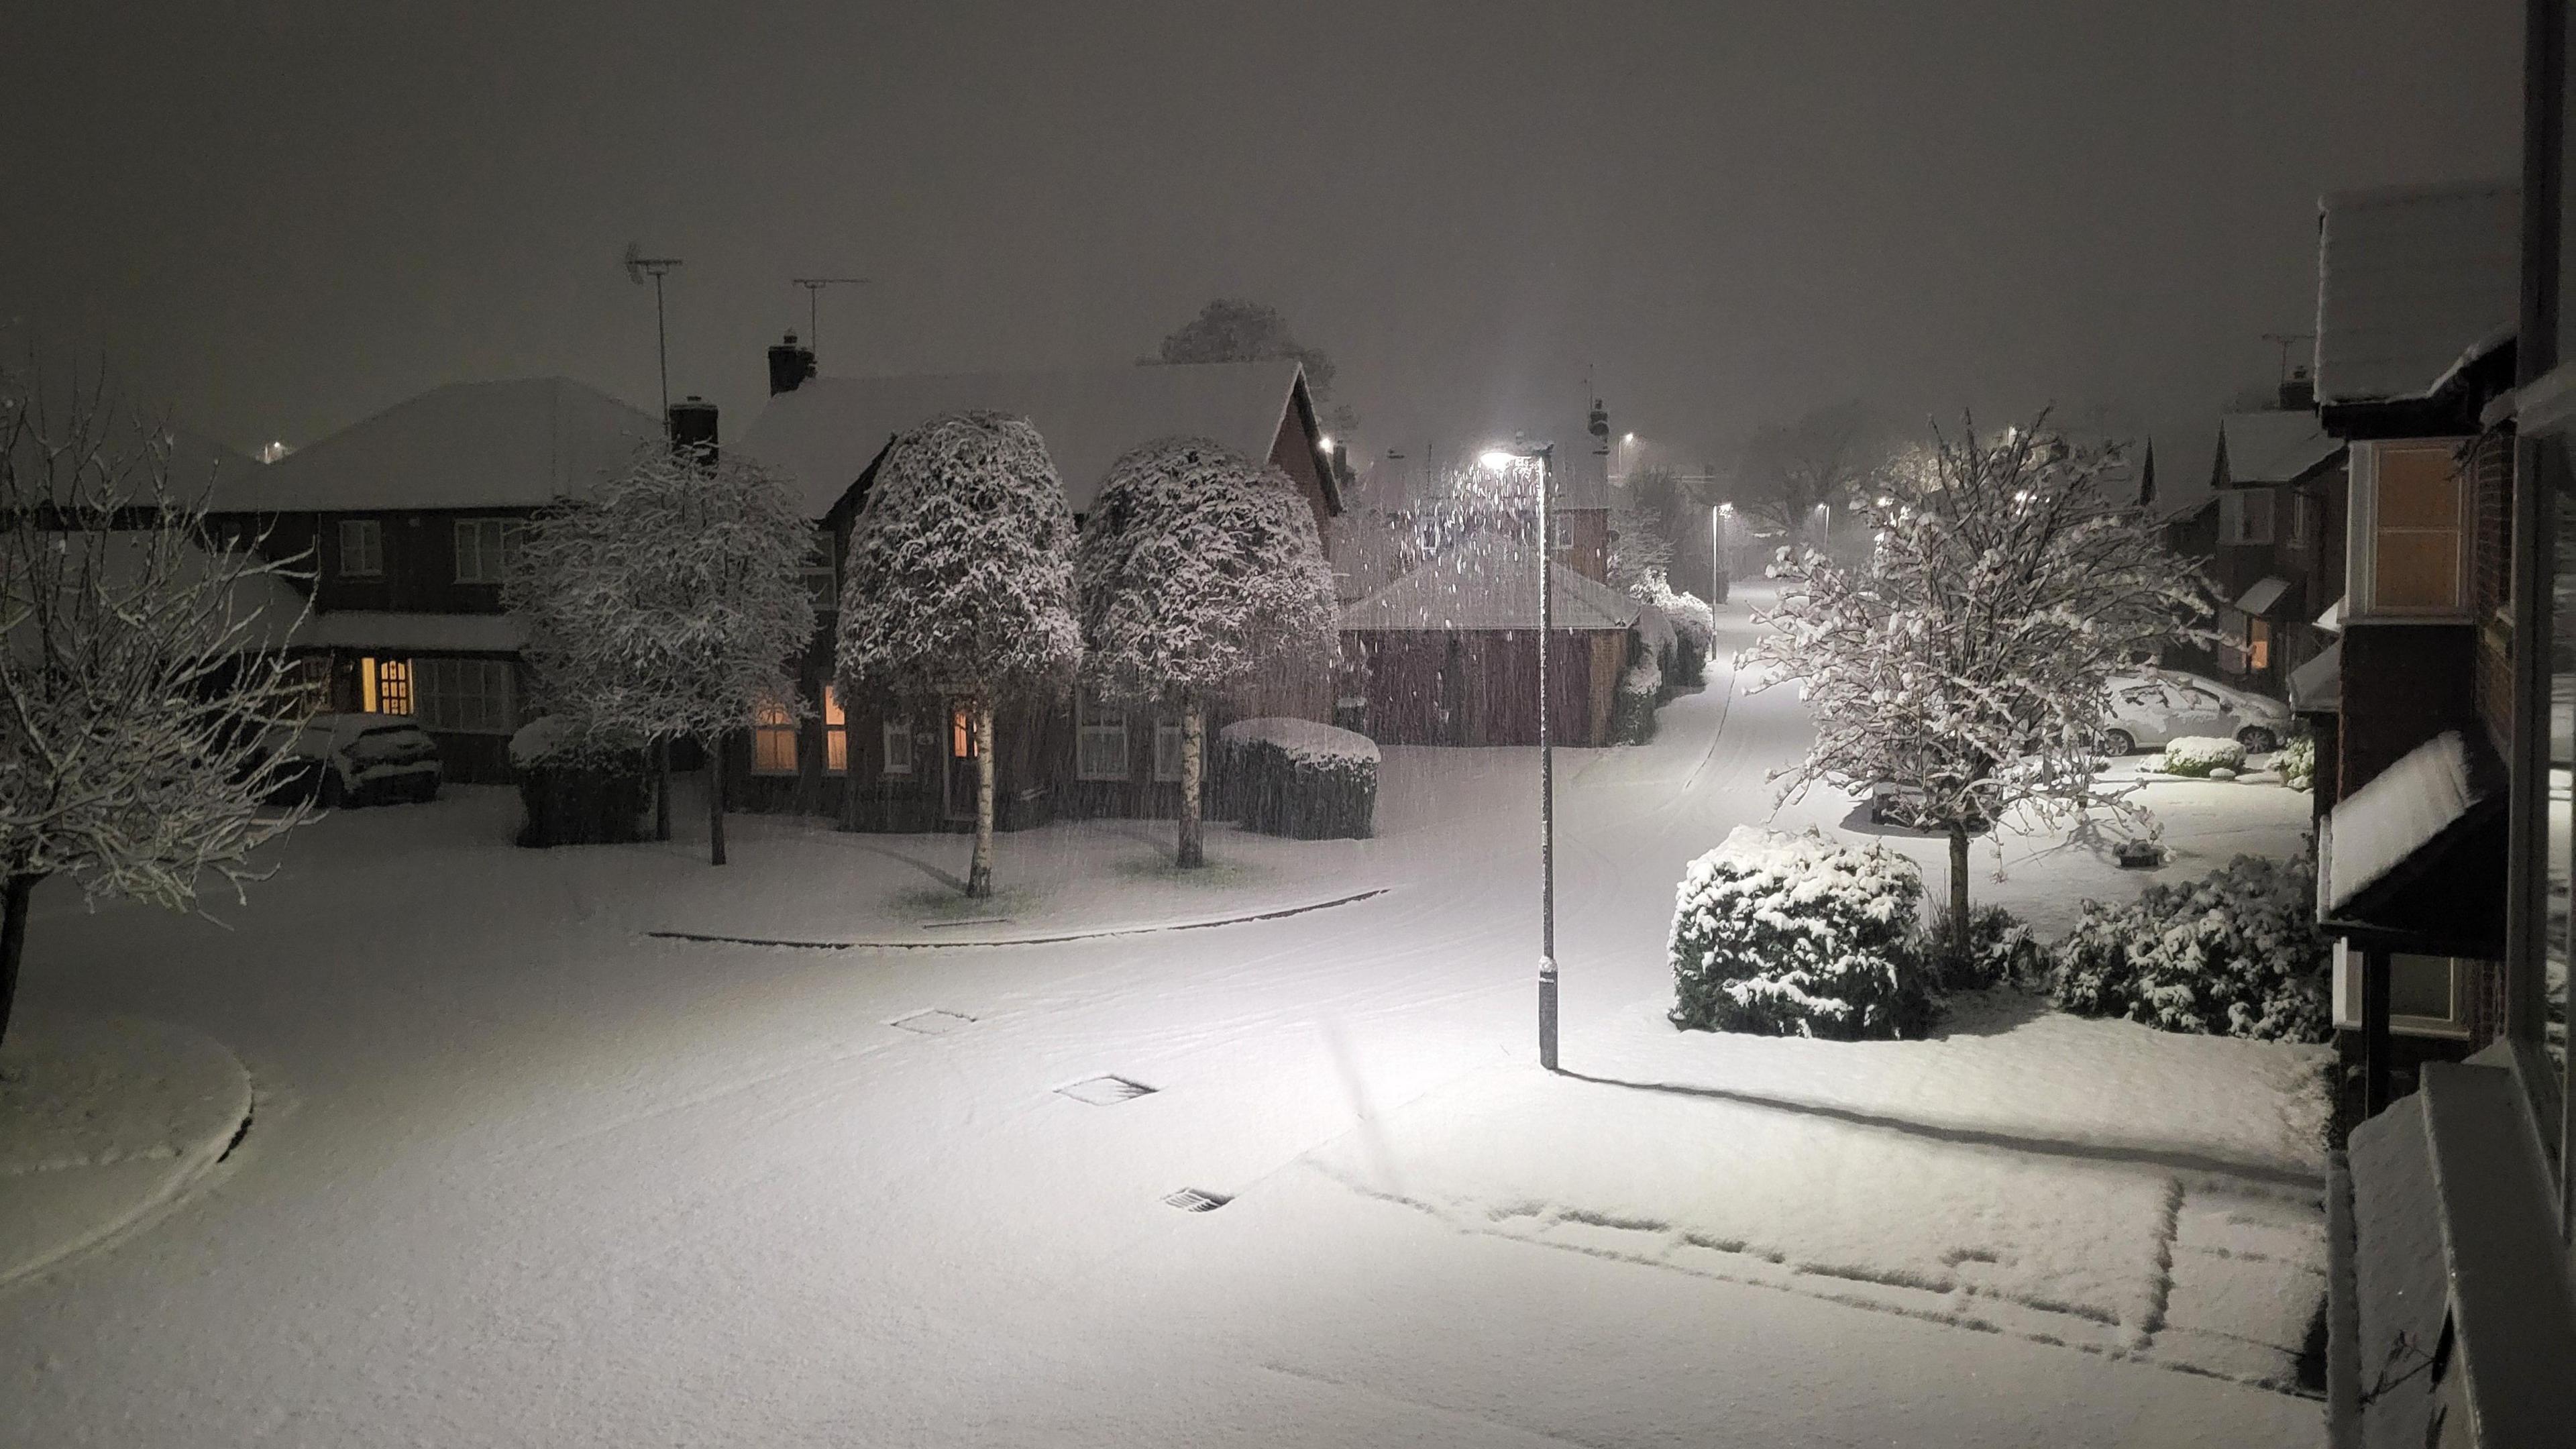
(282, 217)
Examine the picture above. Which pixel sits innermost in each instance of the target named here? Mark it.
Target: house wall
(1587, 542)
(419, 563)
(2403, 684)
(1293, 452)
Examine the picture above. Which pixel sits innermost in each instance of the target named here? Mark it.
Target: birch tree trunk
(14, 896)
(661, 789)
(979, 877)
(1191, 850)
(715, 800)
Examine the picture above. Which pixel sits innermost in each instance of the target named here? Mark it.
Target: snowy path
(522, 1174)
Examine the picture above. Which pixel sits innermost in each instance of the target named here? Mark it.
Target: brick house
(409, 517)
(909, 765)
(2278, 483)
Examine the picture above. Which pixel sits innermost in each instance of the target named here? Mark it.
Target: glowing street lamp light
(1500, 460)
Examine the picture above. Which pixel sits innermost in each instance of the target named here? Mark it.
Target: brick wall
(2402, 685)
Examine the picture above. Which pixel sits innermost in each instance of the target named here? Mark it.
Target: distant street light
(1500, 460)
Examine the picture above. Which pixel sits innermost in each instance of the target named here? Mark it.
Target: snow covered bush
(1796, 935)
(2200, 755)
(2297, 763)
(1297, 778)
(573, 790)
(1694, 627)
(959, 583)
(1632, 708)
(2002, 951)
(1198, 572)
(2235, 953)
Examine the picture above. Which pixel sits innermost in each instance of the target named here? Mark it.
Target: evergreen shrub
(1796, 935)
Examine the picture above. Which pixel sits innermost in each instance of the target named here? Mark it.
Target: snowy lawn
(2093, 1183)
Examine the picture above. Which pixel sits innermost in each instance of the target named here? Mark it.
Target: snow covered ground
(523, 1173)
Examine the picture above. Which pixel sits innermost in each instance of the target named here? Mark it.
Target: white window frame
(2347, 996)
(2241, 524)
(362, 548)
(894, 742)
(484, 547)
(2361, 532)
(465, 694)
(1089, 729)
(1167, 750)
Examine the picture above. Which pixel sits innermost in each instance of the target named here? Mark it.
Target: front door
(963, 750)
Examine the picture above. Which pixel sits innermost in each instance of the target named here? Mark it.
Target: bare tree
(1967, 661)
(146, 680)
(1232, 330)
(1789, 474)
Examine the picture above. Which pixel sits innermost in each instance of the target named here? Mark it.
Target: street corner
(105, 1121)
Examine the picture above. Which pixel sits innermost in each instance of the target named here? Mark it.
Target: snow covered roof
(1489, 582)
(518, 443)
(2332, 619)
(827, 432)
(2413, 284)
(369, 629)
(2316, 687)
(2265, 596)
(2274, 447)
(2396, 814)
(265, 601)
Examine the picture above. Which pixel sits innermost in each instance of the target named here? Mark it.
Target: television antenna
(638, 267)
(814, 303)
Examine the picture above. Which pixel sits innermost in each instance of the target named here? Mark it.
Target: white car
(2168, 704)
(361, 759)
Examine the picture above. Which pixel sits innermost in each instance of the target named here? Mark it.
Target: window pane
(2419, 488)
(2418, 570)
(2420, 986)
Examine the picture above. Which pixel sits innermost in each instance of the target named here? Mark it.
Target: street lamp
(1717, 518)
(1500, 459)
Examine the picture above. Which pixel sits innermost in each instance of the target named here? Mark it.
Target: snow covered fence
(1795, 935)
(1297, 778)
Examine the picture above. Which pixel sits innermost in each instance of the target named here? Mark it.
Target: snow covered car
(2152, 709)
(362, 759)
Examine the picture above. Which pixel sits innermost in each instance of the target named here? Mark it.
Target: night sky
(282, 217)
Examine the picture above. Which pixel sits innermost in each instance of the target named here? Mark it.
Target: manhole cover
(1105, 1091)
(1198, 1200)
(933, 1023)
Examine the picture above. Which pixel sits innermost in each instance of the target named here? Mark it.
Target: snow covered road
(523, 1175)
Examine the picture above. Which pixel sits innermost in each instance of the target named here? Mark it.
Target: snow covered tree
(1639, 547)
(145, 681)
(1197, 570)
(1823, 460)
(1966, 663)
(667, 606)
(959, 582)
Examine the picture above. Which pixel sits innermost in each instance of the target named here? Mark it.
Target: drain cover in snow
(1105, 1091)
(1197, 1200)
(933, 1023)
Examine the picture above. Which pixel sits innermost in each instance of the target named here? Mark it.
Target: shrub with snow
(1297, 778)
(1796, 935)
(2235, 953)
(2002, 951)
(2202, 756)
(2297, 763)
(1632, 709)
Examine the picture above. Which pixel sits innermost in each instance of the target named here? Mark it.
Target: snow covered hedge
(2235, 953)
(1795, 935)
(2201, 755)
(1297, 778)
(1632, 708)
(573, 791)
(1692, 625)
(2297, 763)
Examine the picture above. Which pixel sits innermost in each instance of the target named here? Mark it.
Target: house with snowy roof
(408, 519)
(910, 765)
(2277, 496)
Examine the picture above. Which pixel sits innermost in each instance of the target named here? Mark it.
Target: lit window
(384, 685)
(773, 740)
(485, 549)
(2413, 501)
(1100, 741)
(961, 733)
(1167, 749)
(469, 696)
(2258, 643)
(362, 548)
(836, 732)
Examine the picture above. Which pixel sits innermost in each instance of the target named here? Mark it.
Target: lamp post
(1498, 459)
(1717, 518)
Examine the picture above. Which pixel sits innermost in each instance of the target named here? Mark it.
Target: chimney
(2298, 392)
(693, 427)
(789, 365)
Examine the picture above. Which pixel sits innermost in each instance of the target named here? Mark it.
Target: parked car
(361, 759)
(2153, 709)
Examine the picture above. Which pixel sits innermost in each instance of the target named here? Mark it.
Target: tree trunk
(715, 799)
(1191, 850)
(661, 789)
(1959, 936)
(979, 877)
(14, 895)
